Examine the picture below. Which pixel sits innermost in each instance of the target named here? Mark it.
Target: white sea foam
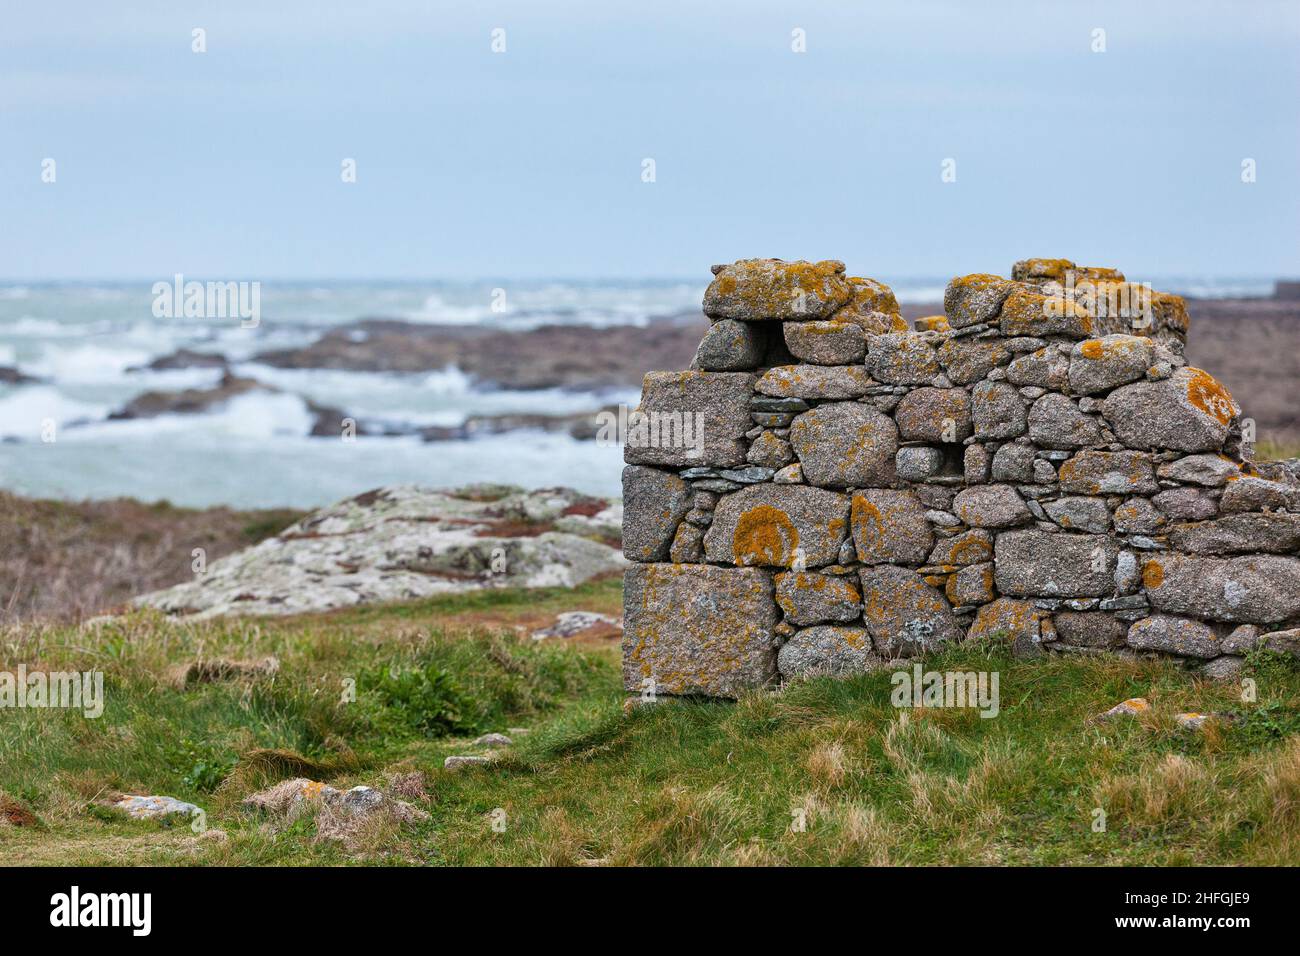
(24, 412)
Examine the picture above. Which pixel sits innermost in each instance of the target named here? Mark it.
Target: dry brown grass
(72, 560)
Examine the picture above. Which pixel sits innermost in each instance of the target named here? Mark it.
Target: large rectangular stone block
(697, 629)
(690, 419)
(1042, 564)
(1259, 589)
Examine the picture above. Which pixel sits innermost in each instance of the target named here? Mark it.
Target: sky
(528, 163)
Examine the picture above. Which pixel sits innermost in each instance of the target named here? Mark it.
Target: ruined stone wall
(827, 489)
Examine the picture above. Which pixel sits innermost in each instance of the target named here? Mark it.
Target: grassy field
(593, 783)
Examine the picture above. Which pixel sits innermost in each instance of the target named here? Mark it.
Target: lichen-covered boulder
(1095, 629)
(1210, 471)
(991, 506)
(1080, 513)
(784, 526)
(845, 443)
(1174, 635)
(1017, 622)
(1251, 493)
(815, 381)
(1042, 564)
(769, 451)
(902, 358)
(969, 547)
(691, 418)
(697, 629)
(1108, 472)
(975, 299)
(1029, 313)
(654, 503)
(904, 614)
(1098, 365)
(836, 342)
(889, 527)
(1257, 589)
(1239, 534)
(1043, 368)
(1190, 411)
(997, 411)
(758, 289)
(1056, 422)
(1037, 269)
(871, 301)
(972, 584)
(731, 346)
(828, 650)
(966, 360)
(806, 597)
(934, 414)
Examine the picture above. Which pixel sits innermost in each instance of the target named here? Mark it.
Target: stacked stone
(1037, 465)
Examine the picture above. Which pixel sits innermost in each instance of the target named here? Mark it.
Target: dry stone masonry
(827, 489)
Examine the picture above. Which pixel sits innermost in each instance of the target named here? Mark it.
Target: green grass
(680, 782)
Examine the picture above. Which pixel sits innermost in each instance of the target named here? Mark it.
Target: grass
(71, 560)
(592, 783)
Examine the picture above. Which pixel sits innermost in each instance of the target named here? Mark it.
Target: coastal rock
(402, 543)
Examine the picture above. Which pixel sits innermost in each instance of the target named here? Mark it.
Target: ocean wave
(25, 411)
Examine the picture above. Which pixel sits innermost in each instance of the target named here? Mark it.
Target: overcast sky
(527, 163)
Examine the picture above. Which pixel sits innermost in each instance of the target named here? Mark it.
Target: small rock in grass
(460, 761)
(493, 740)
(1132, 707)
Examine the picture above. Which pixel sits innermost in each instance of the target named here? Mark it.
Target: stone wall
(827, 489)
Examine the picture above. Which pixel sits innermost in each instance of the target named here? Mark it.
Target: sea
(86, 345)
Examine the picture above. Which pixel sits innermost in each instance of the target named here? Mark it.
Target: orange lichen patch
(1137, 703)
(1206, 394)
(1100, 350)
(1043, 268)
(972, 551)
(872, 296)
(936, 580)
(1153, 574)
(759, 288)
(765, 535)
(932, 323)
(1097, 273)
(1170, 311)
